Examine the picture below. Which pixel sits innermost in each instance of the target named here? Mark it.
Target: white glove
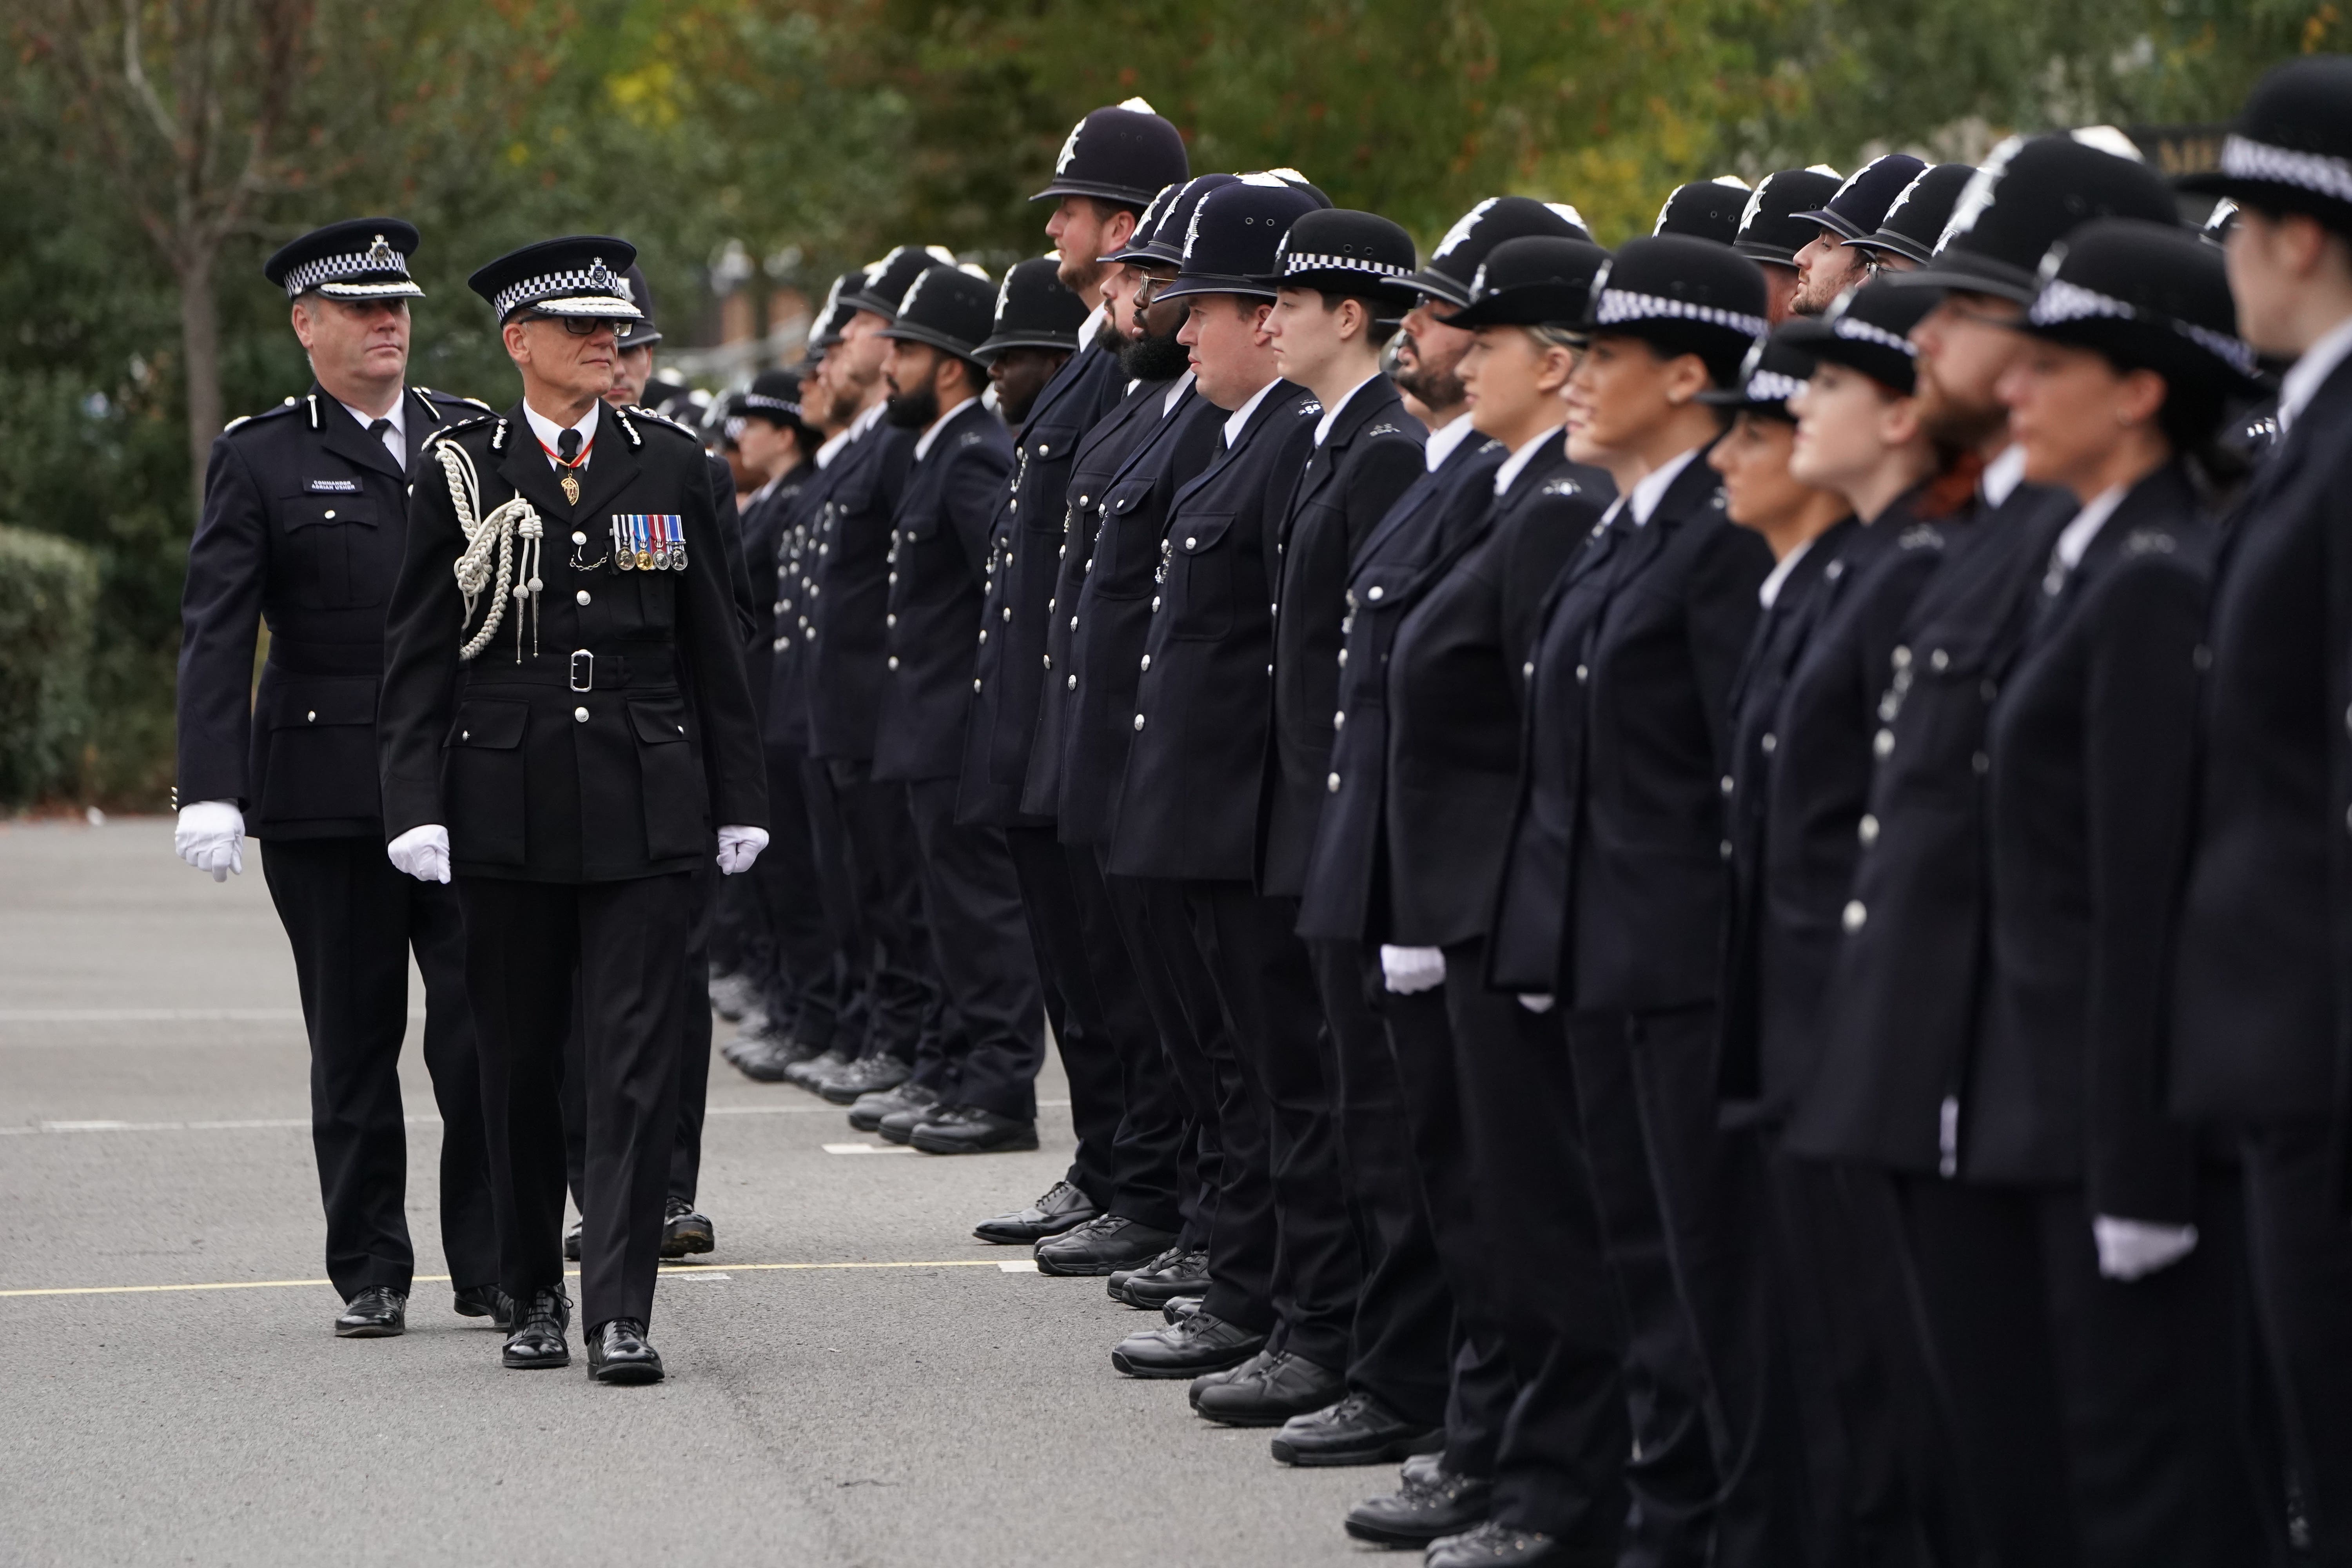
(1411, 969)
(2133, 1249)
(1536, 1001)
(421, 852)
(210, 836)
(738, 847)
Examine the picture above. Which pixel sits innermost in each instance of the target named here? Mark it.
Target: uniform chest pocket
(337, 555)
(1045, 451)
(669, 771)
(1126, 546)
(1200, 554)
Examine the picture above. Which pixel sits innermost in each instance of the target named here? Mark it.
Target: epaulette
(656, 418)
(1309, 406)
(2149, 542)
(971, 438)
(1384, 428)
(1920, 536)
(1563, 485)
(289, 406)
(443, 432)
(430, 395)
(1491, 444)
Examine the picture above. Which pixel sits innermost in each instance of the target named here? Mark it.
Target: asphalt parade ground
(853, 1379)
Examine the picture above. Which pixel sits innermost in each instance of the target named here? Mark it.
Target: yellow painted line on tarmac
(568, 1274)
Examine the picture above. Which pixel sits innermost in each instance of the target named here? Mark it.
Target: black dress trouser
(846, 1025)
(2301, 1246)
(627, 941)
(2099, 1422)
(352, 919)
(1251, 946)
(901, 994)
(802, 978)
(994, 1015)
(1401, 1342)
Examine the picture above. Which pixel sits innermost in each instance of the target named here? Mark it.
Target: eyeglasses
(579, 326)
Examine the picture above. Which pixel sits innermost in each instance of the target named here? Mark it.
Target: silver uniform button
(1528, 670)
(975, 683)
(1882, 745)
(1372, 594)
(1867, 831)
(578, 537)
(1939, 660)
(1340, 719)
(983, 634)
(312, 717)
(580, 715)
(1191, 542)
(1155, 606)
(1582, 675)
(1727, 785)
(890, 620)
(330, 511)
(1008, 612)
(1723, 849)
(1146, 661)
(1901, 658)
(582, 595)
(1769, 743)
(1854, 915)
(1139, 720)
(1332, 783)
(1074, 683)
(893, 661)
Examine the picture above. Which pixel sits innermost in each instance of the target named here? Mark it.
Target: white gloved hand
(1536, 1001)
(421, 852)
(210, 836)
(1409, 969)
(738, 847)
(2135, 1249)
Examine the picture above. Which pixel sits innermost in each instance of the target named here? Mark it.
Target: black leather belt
(582, 669)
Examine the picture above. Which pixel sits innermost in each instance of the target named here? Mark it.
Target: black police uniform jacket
(2092, 742)
(1027, 530)
(767, 522)
(534, 778)
(305, 520)
(1456, 687)
(1188, 797)
(1794, 806)
(1612, 889)
(1372, 456)
(1442, 507)
(1900, 1009)
(849, 591)
(2262, 989)
(938, 570)
(787, 720)
(1103, 452)
(1114, 610)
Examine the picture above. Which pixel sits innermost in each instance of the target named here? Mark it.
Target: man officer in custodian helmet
(305, 513)
(565, 722)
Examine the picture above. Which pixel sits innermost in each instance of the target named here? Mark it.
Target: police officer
(563, 734)
(304, 520)
(1772, 230)
(1906, 236)
(940, 558)
(1705, 209)
(1827, 263)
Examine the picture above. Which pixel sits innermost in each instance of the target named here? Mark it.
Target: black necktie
(567, 446)
(378, 428)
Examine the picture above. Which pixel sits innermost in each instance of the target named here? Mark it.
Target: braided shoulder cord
(495, 532)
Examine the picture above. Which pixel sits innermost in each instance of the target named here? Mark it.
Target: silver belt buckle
(584, 682)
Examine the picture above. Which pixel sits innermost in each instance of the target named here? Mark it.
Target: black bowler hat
(1682, 294)
(2030, 193)
(659, 390)
(1234, 233)
(1869, 330)
(1541, 280)
(824, 328)
(1123, 153)
(887, 281)
(1160, 241)
(1034, 310)
(1352, 252)
(1774, 225)
(640, 334)
(2290, 149)
(1705, 209)
(950, 308)
(1774, 372)
(1860, 205)
(774, 395)
(580, 275)
(2149, 297)
(1453, 265)
(1145, 223)
(1920, 210)
(359, 258)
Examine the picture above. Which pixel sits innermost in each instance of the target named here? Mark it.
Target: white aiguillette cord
(496, 532)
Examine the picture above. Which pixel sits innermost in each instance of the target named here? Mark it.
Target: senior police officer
(305, 515)
(565, 725)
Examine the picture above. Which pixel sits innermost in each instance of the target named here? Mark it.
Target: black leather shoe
(487, 1301)
(1428, 1503)
(901, 1109)
(1492, 1545)
(1280, 1386)
(1181, 1308)
(767, 1058)
(732, 995)
(863, 1077)
(685, 1232)
(810, 1072)
(1062, 1208)
(973, 1130)
(1103, 1245)
(538, 1342)
(571, 1243)
(617, 1353)
(1358, 1430)
(1161, 1282)
(1201, 1342)
(378, 1313)
(1114, 1285)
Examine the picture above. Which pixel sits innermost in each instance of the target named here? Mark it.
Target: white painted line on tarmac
(685, 1273)
(281, 1122)
(866, 1149)
(1023, 1265)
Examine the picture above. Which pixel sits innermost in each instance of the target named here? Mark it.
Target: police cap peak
(1859, 206)
(948, 308)
(1164, 245)
(578, 275)
(1773, 225)
(1034, 310)
(1123, 153)
(1235, 234)
(1915, 220)
(2290, 149)
(358, 258)
(2030, 193)
(1453, 265)
(1537, 280)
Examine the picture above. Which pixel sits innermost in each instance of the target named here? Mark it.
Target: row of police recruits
(1739, 963)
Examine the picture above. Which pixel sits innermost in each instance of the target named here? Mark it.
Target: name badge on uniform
(332, 487)
(649, 541)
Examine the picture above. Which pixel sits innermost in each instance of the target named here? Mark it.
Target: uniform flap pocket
(854, 499)
(1379, 582)
(312, 704)
(329, 509)
(657, 722)
(491, 726)
(1127, 497)
(1192, 533)
(1049, 443)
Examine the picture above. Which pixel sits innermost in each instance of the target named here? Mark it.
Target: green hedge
(48, 602)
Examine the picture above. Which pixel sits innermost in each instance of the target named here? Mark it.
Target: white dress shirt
(923, 442)
(1516, 464)
(1331, 415)
(396, 440)
(549, 431)
(1444, 439)
(2304, 379)
(1239, 418)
